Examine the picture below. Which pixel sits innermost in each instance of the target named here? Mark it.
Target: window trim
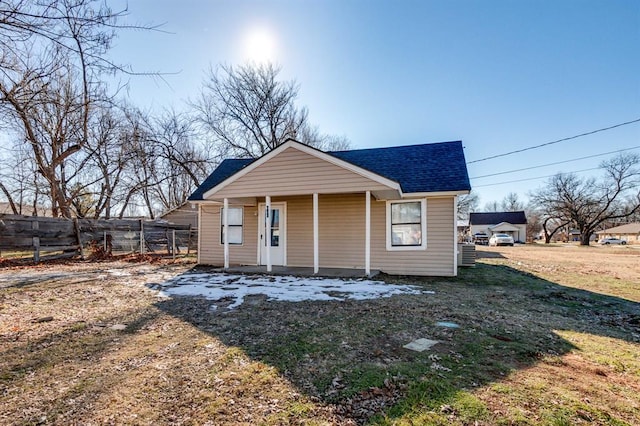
(232, 226)
(423, 225)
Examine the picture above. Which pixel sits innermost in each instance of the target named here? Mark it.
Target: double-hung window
(406, 225)
(235, 225)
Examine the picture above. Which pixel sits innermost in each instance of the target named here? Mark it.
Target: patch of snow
(217, 286)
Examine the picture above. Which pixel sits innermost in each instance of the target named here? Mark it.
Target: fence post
(104, 242)
(35, 226)
(189, 241)
(79, 237)
(141, 236)
(173, 244)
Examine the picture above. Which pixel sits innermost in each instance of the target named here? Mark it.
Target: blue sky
(498, 75)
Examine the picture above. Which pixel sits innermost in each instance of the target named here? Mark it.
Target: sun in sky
(259, 45)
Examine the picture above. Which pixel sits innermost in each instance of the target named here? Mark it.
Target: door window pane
(275, 238)
(275, 227)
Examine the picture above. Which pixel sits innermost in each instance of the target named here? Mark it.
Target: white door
(278, 244)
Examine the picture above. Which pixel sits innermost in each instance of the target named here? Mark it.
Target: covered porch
(296, 233)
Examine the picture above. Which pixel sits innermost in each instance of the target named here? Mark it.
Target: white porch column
(316, 254)
(367, 234)
(225, 225)
(267, 231)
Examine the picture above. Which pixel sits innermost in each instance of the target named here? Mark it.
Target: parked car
(607, 241)
(501, 240)
(481, 239)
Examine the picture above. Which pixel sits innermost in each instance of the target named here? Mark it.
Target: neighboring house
(388, 209)
(511, 223)
(629, 232)
(184, 214)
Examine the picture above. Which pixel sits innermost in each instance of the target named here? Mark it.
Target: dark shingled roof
(433, 167)
(222, 172)
(495, 218)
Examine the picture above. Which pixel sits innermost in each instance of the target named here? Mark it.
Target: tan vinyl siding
(342, 229)
(212, 252)
(341, 236)
(436, 260)
(294, 172)
(299, 230)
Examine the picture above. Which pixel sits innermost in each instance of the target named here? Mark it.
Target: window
(235, 225)
(406, 225)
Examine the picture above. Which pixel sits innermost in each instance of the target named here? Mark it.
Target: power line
(557, 162)
(535, 178)
(556, 141)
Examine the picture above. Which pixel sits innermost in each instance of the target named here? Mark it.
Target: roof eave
(435, 193)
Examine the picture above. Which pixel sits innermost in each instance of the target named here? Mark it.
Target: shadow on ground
(350, 354)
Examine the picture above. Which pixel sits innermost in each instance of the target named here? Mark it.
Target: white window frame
(423, 225)
(230, 226)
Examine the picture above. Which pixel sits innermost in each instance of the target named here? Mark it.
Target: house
(511, 223)
(629, 232)
(184, 214)
(387, 209)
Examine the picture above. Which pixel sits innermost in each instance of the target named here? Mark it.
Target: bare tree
(53, 55)
(534, 223)
(312, 136)
(45, 105)
(246, 112)
(588, 203)
(467, 204)
(492, 206)
(511, 203)
(163, 163)
(182, 164)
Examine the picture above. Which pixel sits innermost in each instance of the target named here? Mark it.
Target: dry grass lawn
(548, 335)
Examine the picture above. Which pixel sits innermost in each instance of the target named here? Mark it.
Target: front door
(277, 220)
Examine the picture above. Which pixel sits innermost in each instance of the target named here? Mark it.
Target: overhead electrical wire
(556, 141)
(535, 178)
(556, 163)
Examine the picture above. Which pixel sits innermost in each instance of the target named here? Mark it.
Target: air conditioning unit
(466, 255)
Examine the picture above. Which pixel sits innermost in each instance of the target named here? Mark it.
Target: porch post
(367, 234)
(316, 254)
(225, 224)
(267, 231)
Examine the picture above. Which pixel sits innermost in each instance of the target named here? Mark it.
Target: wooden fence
(49, 237)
